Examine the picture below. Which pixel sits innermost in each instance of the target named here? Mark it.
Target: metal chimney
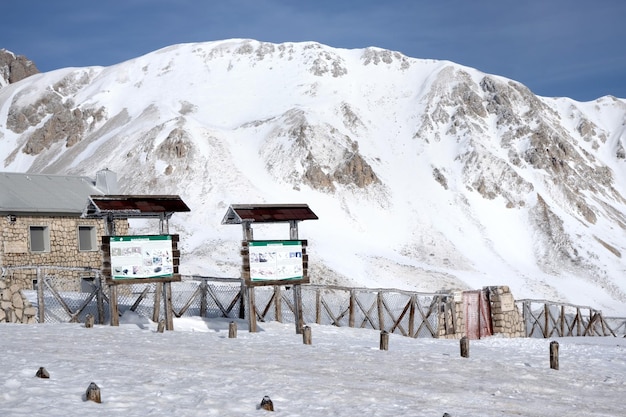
(106, 181)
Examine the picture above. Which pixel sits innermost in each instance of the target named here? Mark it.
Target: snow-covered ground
(197, 370)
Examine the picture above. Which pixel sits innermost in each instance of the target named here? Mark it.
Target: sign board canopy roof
(267, 213)
(157, 206)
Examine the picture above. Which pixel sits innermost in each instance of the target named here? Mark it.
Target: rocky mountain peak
(423, 173)
(14, 68)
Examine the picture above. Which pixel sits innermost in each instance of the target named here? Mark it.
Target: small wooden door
(477, 314)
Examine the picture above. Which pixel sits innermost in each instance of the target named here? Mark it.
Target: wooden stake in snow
(306, 335)
(93, 393)
(42, 373)
(464, 347)
(384, 340)
(554, 355)
(232, 330)
(266, 404)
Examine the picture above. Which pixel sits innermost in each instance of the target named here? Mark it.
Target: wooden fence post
(554, 355)
(114, 311)
(381, 312)
(351, 309)
(41, 307)
(318, 306)
(232, 330)
(203, 297)
(384, 340)
(464, 347)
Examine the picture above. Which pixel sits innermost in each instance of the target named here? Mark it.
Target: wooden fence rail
(407, 313)
(551, 319)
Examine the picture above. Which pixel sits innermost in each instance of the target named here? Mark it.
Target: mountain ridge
(425, 174)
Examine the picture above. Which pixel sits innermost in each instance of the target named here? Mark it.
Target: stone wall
(14, 307)
(505, 317)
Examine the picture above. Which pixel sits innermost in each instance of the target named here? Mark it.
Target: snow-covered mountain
(425, 174)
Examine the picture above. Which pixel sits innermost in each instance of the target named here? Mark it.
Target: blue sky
(571, 48)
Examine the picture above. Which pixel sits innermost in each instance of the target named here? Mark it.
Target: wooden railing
(551, 319)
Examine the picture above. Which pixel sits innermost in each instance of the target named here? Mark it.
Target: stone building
(43, 223)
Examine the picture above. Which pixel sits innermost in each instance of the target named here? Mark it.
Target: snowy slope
(425, 174)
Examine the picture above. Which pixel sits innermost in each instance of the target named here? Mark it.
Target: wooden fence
(550, 319)
(407, 313)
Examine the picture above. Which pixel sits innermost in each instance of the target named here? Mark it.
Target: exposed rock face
(55, 116)
(14, 68)
(416, 151)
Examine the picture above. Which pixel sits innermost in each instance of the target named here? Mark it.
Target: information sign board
(144, 258)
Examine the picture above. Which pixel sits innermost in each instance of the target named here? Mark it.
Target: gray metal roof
(22, 193)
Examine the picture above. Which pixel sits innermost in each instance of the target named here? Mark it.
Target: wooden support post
(554, 355)
(115, 314)
(297, 302)
(232, 330)
(464, 347)
(89, 320)
(278, 308)
(158, 293)
(100, 299)
(306, 335)
(93, 393)
(169, 309)
(251, 310)
(384, 340)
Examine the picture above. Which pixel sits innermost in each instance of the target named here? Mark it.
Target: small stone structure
(506, 319)
(14, 307)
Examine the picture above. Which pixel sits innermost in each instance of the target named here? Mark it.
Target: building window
(39, 239)
(87, 238)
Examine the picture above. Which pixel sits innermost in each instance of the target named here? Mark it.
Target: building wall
(15, 248)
